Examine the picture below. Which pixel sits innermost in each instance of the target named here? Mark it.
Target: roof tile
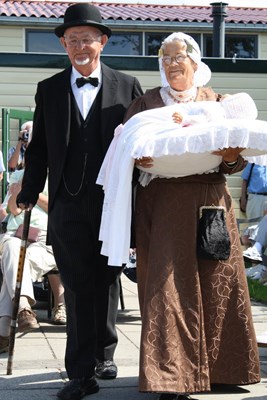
(134, 12)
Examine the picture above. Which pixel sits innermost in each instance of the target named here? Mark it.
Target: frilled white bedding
(176, 151)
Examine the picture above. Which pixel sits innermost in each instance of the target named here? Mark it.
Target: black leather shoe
(106, 369)
(77, 388)
(174, 396)
(168, 396)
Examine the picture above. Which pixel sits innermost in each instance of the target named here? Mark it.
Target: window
(235, 45)
(45, 41)
(130, 44)
(42, 41)
(153, 41)
(124, 44)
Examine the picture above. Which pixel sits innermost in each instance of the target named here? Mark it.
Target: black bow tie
(82, 81)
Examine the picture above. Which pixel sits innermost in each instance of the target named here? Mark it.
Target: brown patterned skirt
(197, 326)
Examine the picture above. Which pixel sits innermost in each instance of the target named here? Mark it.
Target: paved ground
(38, 368)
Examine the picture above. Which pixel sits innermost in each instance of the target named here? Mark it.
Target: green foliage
(257, 291)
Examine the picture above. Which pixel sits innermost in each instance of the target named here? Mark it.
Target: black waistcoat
(85, 154)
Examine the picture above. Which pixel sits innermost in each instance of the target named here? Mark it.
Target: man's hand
(23, 203)
(25, 206)
(14, 190)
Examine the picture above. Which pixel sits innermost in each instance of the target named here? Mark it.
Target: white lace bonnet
(202, 74)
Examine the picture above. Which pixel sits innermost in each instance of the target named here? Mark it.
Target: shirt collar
(95, 74)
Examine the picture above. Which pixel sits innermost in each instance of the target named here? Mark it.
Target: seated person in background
(3, 216)
(2, 166)
(254, 190)
(259, 237)
(38, 261)
(16, 153)
(59, 310)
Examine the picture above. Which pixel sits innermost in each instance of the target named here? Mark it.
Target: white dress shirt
(86, 94)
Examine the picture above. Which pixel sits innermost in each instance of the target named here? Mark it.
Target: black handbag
(213, 240)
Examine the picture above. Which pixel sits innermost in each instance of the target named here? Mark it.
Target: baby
(237, 106)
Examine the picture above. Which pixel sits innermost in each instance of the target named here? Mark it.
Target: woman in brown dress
(197, 326)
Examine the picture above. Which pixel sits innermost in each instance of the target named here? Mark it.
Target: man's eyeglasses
(167, 60)
(85, 41)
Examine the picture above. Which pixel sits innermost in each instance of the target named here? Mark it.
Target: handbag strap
(250, 172)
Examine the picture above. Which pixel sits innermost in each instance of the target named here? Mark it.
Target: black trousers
(91, 287)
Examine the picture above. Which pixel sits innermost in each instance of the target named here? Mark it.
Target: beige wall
(254, 84)
(263, 45)
(12, 39)
(18, 86)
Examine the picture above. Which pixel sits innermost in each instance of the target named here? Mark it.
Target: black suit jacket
(47, 150)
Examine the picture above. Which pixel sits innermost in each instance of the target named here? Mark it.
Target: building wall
(18, 85)
(253, 84)
(12, 38)
(263, 45)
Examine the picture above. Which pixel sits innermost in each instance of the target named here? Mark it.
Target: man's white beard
(83, 62)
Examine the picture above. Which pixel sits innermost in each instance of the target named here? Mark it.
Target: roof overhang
(138, 25)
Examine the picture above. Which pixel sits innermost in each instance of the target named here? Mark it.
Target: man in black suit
(74, 122)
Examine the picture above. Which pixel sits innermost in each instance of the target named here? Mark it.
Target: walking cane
(23, 246)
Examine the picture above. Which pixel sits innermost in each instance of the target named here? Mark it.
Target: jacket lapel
(65, 104)
(109, 95)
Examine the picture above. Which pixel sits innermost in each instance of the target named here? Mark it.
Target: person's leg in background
(43, 262)
(59, 308)
(10, 249)
(256, 205)
(254, 252)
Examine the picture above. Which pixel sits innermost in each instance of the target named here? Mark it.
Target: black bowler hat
(82, 14)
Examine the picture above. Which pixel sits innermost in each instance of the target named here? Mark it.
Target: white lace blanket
(177, 151)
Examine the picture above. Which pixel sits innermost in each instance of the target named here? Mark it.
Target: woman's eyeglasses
(167, 60)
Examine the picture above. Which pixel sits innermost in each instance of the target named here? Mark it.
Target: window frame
(40, 30)
(232, 35)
